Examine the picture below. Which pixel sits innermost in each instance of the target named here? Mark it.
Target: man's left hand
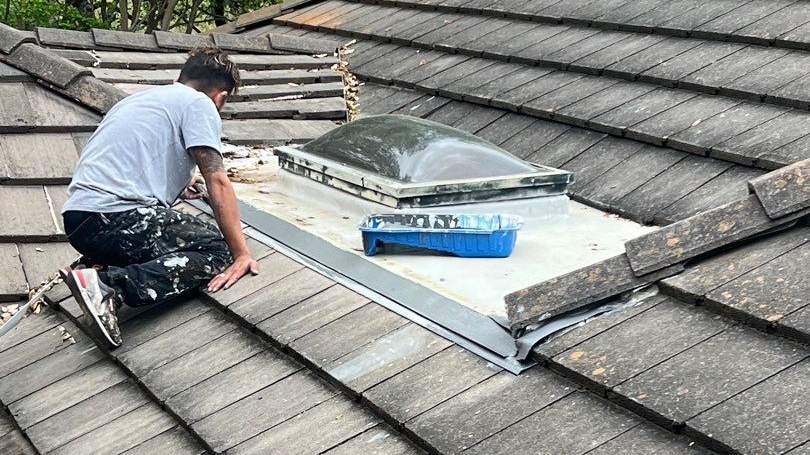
(241, 266)
(189, 192)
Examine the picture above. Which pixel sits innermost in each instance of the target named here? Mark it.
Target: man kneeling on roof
(118, 212)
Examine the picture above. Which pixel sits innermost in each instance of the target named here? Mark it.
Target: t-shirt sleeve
(202, 126)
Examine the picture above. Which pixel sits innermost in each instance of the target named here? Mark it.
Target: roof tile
(94, 93)
(785, 190)
(46, 64)
(65, 38)
(13, 285)
(242, 43)
(11, 38)
(125, 40)
(182, 41)
(302, 44)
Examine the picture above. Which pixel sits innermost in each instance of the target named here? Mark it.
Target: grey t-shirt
(137, 157)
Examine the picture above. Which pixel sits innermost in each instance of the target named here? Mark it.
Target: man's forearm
(223, 201)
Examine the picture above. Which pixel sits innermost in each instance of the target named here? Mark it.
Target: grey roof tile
(776, 401)
(14, 284)
(26, 214)
(458, 24)
(232, 385)
(627, 11)
(182, 41)
(778, 23)
(702, 14)
(94, 93)
(46, 64)
(652, 56)
(241, 43)
(176, 441)
(348, 13)
(487, 77)
(30, 327)
(769, 77)
(16, 113)
(38, 158)
(416, 75)
(785, 190)
(616, 355)
(505, 128)
(586, 47)
(619, 119)
(133, 428)
(546, 47)
(521, 35)
(796, 93)
(315, 108)
(11, 38)
(429, 383)
(125, 40)
(10, 74)
(574, 290)
(380, 359)
(526, 142)
(685, 176)
(477, 118)
(343, 335)
(259, 15)
(629, 174)
(577, 88)
(701, 233)
(732, 67)
(461, 39)
(700, 137)
(596, 9)
(682, 387)
(663, 13)
(647, 439)
(437, 82)
(564, 147)
(422, 106)
(592, 420)
(743, 16)
(682, 65)
(661, 127)
(276, 267)
(279, 296)
(796, 325)
(531, 83)
(726, 187)
(87, 415)
(65, 38)
(378, 440)
(487, 408)
(299, 44)
(587, 108)
(753, 296)
(14, 442)
(274, 132)
(328, 425)
(746, 147)
(40, 261)
(598, 159)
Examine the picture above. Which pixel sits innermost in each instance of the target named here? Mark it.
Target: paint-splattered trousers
(152, 254)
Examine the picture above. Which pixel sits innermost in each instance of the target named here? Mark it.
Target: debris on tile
(66, 336)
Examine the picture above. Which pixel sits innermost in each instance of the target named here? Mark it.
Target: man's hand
(189, 192)
(241, 266)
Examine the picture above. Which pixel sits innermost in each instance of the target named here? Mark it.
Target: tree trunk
(167, 15)
(122, 8)
(219, 12)
(192, 15)
(136, 16)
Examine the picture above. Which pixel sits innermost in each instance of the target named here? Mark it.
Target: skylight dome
(403, 161)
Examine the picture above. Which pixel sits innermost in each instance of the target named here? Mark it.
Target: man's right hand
(240, 267)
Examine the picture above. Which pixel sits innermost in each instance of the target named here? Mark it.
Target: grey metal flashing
(474, 331)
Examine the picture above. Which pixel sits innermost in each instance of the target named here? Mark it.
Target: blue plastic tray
(460, 234)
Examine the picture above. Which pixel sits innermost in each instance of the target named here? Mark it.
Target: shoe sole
(79, 296)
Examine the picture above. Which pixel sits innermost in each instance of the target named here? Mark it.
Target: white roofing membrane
(558, 236)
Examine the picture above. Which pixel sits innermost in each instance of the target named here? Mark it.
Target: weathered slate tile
(776, 401)
(573, 425)
(436, 66)
(125, 40)
(258, 16)
(577, 334)
(453, 112)
(685, 176)
(682, 387)
(694, 111)
(176, 441)
(505, 128)
(725, 125)
(391, 100)
(747, 147)
(626, 11)
(615, 52)
(700, 15)
(30, 327)
(565, 147)
(680, 66)
(727, 187)
(461, 39)
(492, 73)
(55, 113)
(86, 416)
(641, 342)
(437, 82)
(652, 56)
(271, 269)
(281, 295)
(130, 429)
(504, 44)
(519, 81)
(698, 234)
(262, 410)
(378, 440)
(619, 119)
(14, 285)
(387, 67)
(38, 158)
(547, 104)
(11, 38)
(46, 65)
(10, 74)
(47, 343)
(804, 449)
(182, 41)
(573, 290)
(327, 425)
(731, 67)
(202, 363)
(791, 152)
(50, 369)
(429, 383)
(785, 190)
(65, 38)
(740, 17)
(41, 260)
(616, 95)
(587, 46)
(174, 343)
(420, 24)
(478, 118)
(17, 114)
(647, 439)
(487, 408)
(231, 385)
(769, 291)
(531, 139)
(541, 52)
(598, 159)
(663, 12)
(14, 443)
(385, 357)
(159, 320)
(445, 33)
(630, 174)
(776, 24)
(368, 20)
(297, 44)
(312, 313)
(274, 132)
(796, 325)
(346, 333)
(422, 106)
(65, 393)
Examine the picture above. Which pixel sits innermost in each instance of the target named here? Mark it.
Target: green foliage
(27, 14)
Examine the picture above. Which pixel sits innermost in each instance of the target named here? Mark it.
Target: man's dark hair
(212, 69)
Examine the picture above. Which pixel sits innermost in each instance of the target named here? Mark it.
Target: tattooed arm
(223, 201)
